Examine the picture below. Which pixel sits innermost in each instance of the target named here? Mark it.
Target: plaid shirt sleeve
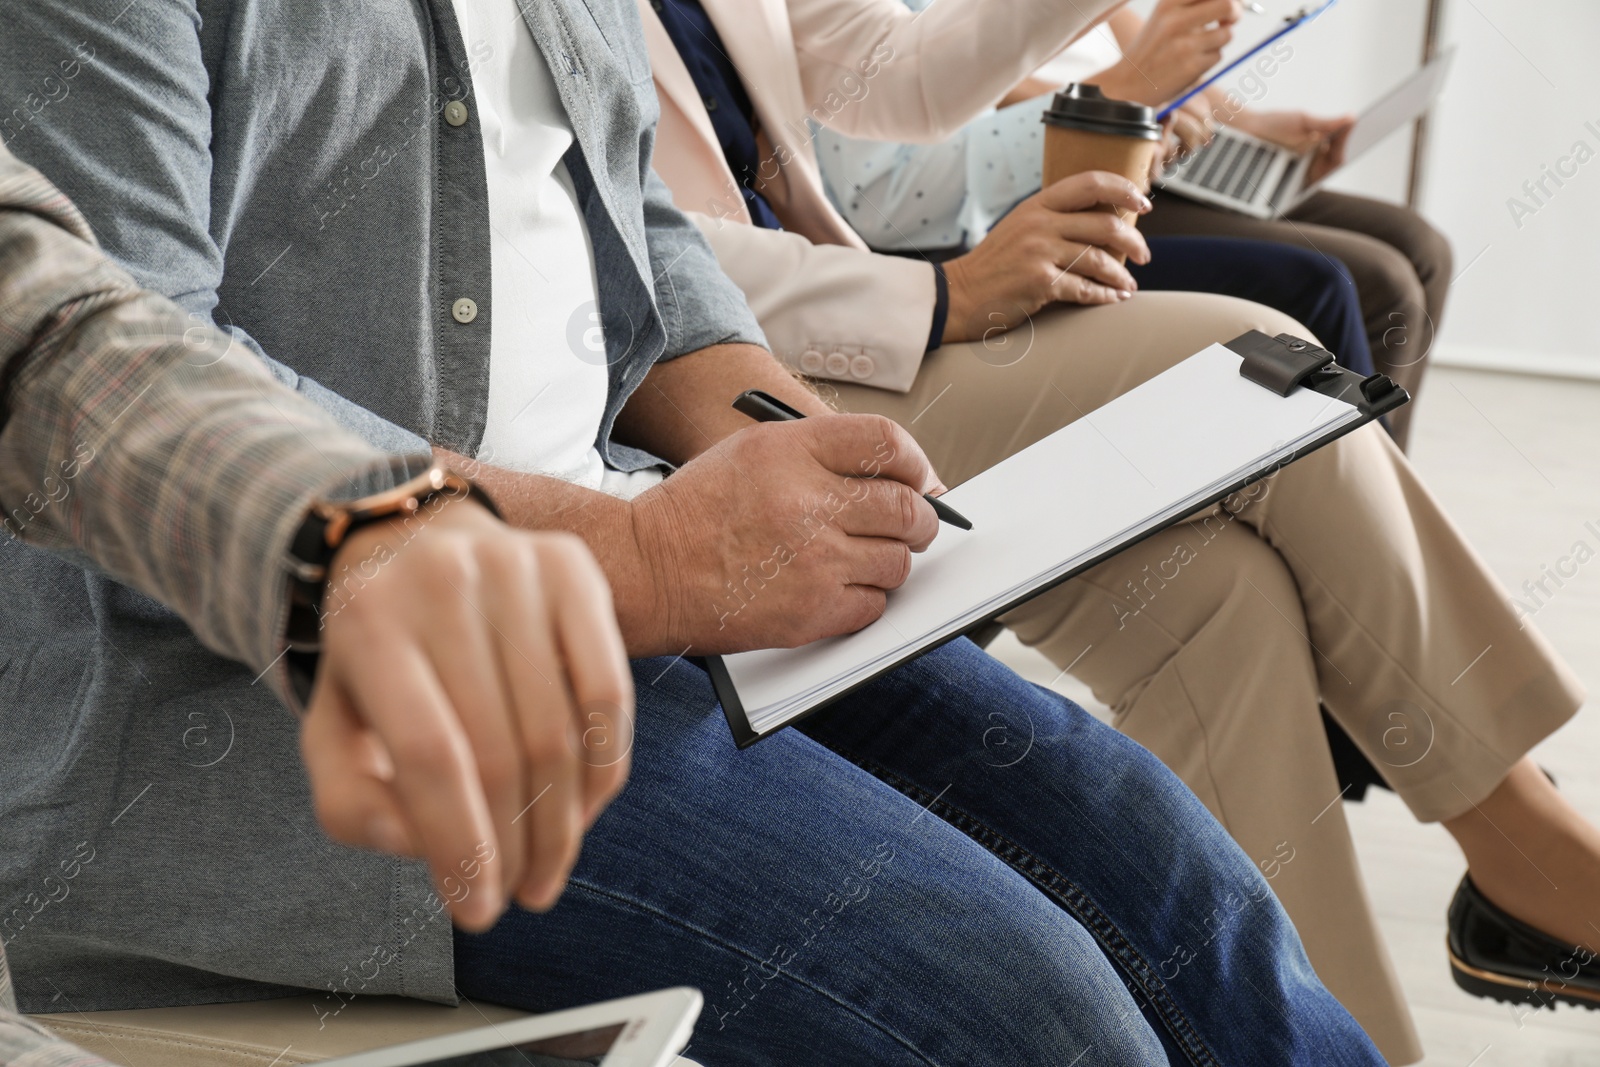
(162, 454)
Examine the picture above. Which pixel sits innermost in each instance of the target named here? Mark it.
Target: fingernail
(1124, 294)
(1145, 206)
(386, 835)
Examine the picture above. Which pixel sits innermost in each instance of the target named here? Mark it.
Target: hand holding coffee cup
(1086, 131)
(1068, 243)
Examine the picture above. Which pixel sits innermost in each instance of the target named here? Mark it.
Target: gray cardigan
(285, 168)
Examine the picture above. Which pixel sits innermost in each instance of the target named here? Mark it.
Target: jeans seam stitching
(1092, 918)
(737, 951)
(1057, 885)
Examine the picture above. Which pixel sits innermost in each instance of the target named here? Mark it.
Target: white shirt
(948, 195)
(547, 374)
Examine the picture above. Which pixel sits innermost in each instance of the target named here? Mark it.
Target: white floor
(1517, 463)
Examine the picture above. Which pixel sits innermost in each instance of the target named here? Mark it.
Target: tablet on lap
(648, 1030)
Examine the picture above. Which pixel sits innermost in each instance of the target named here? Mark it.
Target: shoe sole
(1508, 990)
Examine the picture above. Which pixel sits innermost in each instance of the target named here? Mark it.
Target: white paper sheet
(1145, 459)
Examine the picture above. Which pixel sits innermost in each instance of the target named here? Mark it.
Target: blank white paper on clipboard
(1146, 459)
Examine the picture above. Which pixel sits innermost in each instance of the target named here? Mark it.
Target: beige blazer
(868, 68)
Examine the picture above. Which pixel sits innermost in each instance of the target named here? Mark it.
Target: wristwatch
(327, 526)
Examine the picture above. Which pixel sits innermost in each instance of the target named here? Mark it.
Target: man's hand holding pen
(785, 533)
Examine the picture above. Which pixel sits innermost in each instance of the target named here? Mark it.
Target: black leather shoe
(1495, 955)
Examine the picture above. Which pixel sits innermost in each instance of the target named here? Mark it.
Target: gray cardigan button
(455, 113)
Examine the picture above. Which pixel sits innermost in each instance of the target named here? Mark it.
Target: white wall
(1518, 102)
(1521, 91)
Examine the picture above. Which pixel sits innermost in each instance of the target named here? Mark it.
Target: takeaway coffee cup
(1083, 130)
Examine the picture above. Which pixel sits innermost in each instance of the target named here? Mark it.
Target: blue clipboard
(1290, 24)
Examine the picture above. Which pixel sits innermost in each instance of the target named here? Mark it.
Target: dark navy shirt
(733, 118)
(717, 79)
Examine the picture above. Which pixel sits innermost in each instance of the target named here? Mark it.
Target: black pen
(764, 407)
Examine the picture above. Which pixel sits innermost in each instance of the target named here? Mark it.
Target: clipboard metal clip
(1285, 363)
(1280, 363)
(1380, 394)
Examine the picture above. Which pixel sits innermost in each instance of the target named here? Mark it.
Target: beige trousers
(1339, 580)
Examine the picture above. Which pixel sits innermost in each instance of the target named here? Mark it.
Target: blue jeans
(1311, 287)
(951, 866)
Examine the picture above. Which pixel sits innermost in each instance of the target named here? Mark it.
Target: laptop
(1255, 177)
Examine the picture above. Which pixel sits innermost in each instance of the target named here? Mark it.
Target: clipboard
(1290, 24)
(1283, 365)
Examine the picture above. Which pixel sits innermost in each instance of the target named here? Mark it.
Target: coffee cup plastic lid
(1084, 107)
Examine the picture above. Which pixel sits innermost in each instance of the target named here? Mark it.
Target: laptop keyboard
(1231, 166)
